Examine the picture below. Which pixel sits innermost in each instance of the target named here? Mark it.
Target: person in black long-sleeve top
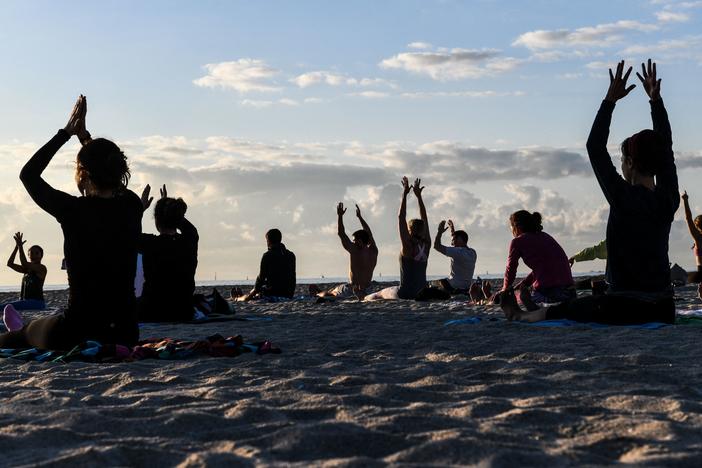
(101, 229)
(277, 275)
(641, 213)
(170, 261)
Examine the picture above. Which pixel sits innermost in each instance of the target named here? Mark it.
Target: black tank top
(32, 287)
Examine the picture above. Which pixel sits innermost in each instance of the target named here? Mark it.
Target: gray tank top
(413, 277)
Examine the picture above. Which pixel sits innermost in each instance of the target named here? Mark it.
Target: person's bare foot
(526, 300)
(508, 303)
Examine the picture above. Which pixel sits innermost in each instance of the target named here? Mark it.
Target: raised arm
(451, 227)
(405, 239)
(694, 232)
(11, 261)
(666, 175)
(437, 240)
(340, 229)
(366, 228)
(25, 265)
(417, 188)
(612, 184)
(48, 198)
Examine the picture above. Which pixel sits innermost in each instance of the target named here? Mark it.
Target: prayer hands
(76, 122)
(405, 186)
(340, 210)
(417, 189)
(617, 83)
(145, 199)
(18, 239)
(651, 84)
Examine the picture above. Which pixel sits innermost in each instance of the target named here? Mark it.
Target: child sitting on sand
(32, 291)
(414, 253)
(101, 229)
(641, 211)
(170, 261)
(550, 275)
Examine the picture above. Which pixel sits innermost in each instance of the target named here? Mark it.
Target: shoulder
(131, 199)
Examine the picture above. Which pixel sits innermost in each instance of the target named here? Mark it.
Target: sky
(267, 114)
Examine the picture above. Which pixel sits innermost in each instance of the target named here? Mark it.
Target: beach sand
(370, 384)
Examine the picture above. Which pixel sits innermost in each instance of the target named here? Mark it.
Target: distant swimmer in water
(276, 278)
(34, 274)
(642, 204)
(363, 256)
(101, 230)
(414, 252)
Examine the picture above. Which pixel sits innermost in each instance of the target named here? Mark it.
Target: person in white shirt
(463, 259)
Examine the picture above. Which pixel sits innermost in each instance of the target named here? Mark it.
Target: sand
(370, 384)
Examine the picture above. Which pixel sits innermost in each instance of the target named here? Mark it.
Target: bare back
(362, 263)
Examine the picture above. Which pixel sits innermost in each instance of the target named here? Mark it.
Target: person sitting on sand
(32, 290)
(550, 275)
(276, 278)
(463, 259)
(169, 261)
(363, 256)
(695, 228)
(642, 205)
(414, 252)
(101, 230)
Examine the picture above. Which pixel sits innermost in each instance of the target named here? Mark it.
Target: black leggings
(614, 310)
(56, 332)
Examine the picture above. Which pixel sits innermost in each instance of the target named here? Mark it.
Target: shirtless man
(363, 254)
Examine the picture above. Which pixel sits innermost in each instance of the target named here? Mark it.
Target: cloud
(321, 77)
(370, 94)
(672, 17)
(452, 162)
(602, 35)
(460, 94)
(452, 64)
(245, 75)
(337, 79)
(419, 45)
(262, 104)
(685, 48)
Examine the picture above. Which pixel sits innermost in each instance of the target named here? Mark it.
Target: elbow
(25, 175)
(590, 146)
